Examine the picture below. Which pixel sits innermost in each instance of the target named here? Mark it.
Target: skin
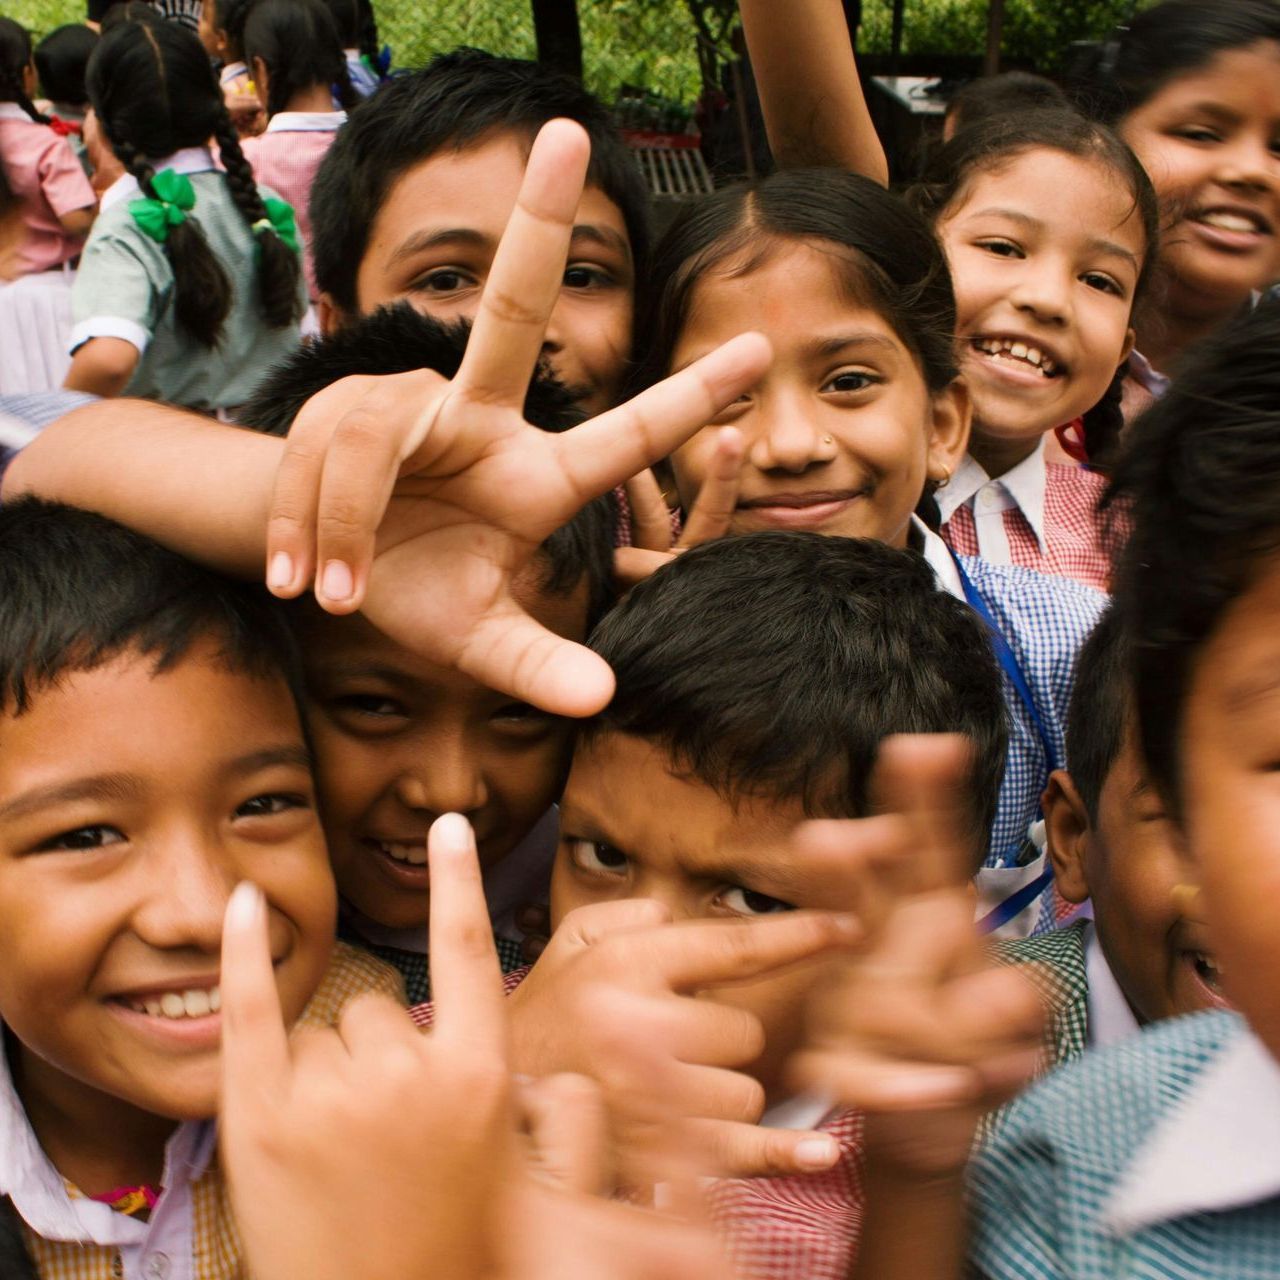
(401, 740)
(632, 828)
(1044, 249)
(1229, 744)
(841, 432)
(188, 781)
(1210, 139)
(434, 239)
(1128, 862)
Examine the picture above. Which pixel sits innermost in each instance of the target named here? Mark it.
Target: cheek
(350, 774)
(526, 783)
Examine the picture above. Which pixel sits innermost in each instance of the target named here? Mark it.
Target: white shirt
(1110, 1018)
(188, 160)
(1021, 488)
(306, 121)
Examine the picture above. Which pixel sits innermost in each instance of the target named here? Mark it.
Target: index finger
(528, 268)
(255, 1041)
(466, 979)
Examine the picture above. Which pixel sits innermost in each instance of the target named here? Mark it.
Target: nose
(449, 780)
(1249, 165)
(1043, 290)
(784, 435)
(188, 877)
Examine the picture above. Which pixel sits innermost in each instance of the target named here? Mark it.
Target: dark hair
(990, 143)
(1099, 709)
(229, 17)
(893, 262)
(346, 19)
(1001, 96)
(130, 11)
(774, 663)
(299, 44)
(15, 56)
(61, 59)
(454, 102)
(397, 339)
(80, 590)
(1159, 44)
(154, 92)
(15, 1261)
(1201, 472)
(10, 202)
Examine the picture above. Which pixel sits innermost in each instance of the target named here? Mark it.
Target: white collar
(1022, 486)
(940, 559)
(306, 121)
(188, 160)
(40, 1195)
(1220, 1149)
(232, 70)
(1110, 1017)
(11, 111)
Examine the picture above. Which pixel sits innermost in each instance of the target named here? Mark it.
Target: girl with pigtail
(58, 206)
(191, 284)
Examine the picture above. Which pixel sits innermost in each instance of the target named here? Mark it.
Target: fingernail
(280, 571)
(817, 1153)
(453, 831)
(244, 905)
(336, 582)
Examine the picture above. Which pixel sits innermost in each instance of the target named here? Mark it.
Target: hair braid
(278, 265)
(15, 57)
(1103, 423)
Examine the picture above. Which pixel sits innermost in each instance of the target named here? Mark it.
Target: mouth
(799, 510)
(409, 853)
(1018, 354)
(176, 1006)
(1234, 227)
(1207, 975)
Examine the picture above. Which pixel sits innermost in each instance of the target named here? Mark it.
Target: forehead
(1244, 81)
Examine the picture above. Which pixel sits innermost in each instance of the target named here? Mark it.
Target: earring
(946, 478)
(1184, 898)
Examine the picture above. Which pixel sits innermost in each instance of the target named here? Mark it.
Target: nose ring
(828, 440)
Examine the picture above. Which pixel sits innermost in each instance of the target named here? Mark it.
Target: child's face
(131, 804)
(213, 40)
(433, 242)
(1045, 252)
(631, 828)
(1128, 862)
(1230, 743)
(400, 741)
(841, 432)
(1210, 140)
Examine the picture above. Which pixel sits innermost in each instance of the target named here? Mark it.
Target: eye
(578, 275)
(444, 280)
(1103, 283)
(850, 381)
(94, 837)
(746, 902)
(596, 857)
(520, 717)
(374, 705)
(1002, 248)
(272, 803)
(1196, 133)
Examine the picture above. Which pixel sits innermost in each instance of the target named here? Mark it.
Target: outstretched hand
(419, 499)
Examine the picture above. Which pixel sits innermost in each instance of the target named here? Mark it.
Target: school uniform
(1156, 1159)
(363, 80)
(286, 158)
(1041, 515)
(124, 289)
(189, 1234)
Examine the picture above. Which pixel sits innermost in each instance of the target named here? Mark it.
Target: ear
(261, 81)
(329, 315)
(951, 413)
(1067, 830)
(1130, 336)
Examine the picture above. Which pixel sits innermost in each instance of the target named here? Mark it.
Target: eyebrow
(845, 342)
(1242, 695)
(1096, 243)
(365, 671)
(296, 756)
(470, 238)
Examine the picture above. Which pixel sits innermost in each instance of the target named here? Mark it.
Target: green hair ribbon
(174, 195)
(280, 219)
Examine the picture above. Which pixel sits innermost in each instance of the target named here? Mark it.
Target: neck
(996, 455)
(95, 1140)
(315, 97)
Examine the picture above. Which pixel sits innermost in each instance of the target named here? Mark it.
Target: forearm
(913, 1227)
(814, 109)
(195, 485)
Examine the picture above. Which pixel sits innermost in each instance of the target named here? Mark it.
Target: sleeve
(351, 973)
(62, 178)
(119, 290)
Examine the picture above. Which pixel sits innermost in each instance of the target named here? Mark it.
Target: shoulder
(1054, 963)
(1042, 612)
(351, 973)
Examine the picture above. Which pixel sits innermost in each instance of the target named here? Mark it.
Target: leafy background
(652, 42)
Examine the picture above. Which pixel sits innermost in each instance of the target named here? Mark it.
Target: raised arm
(814, 109)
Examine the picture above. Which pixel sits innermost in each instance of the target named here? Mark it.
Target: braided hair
(15, 58)
(300, 45)
(155, 93)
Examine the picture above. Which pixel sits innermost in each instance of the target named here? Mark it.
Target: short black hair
(1002, 96)
(1200, 477)
(15, 1261)
(398, 339)
(775, 663)
(61, 59)
(80, 590)
(1100, 708)
(455, 101)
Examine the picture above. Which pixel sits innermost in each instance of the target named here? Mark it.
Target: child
(221, 32)
(61, 59)
(859, 417)
(1192, 88)
(349, 17)
(293, 50)
(191, 284)
(1004, 95)
(153, 755)
(1144, 955)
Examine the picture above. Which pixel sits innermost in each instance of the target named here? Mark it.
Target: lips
(800, 501)
(1019, 352)
(1240, 219)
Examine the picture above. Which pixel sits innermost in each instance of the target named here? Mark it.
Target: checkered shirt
(1040, 1189)
(1073, 545)
(214, 1244)
(415, 967)
(1054, 963)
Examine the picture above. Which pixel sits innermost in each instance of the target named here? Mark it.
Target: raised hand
(419, 500)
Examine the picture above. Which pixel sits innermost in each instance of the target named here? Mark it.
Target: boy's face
(1128, 863)
(400, 741)
(433, 242)
(631, 828)
(131, 804)
(1230, 749)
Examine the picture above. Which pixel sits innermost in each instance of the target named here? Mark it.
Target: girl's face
(1210, 140)
(1045, 252)
(841, 433)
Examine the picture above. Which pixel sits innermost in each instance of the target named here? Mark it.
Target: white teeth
(1019, 349)
(172, 1005)
(215, 1000)
(1008, 348)
(153, 1008)
(1033, 354)
(175, 1005)
(414, 853)
(196, 1003)
(1228, 221)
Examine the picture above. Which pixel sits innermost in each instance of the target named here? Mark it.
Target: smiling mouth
(412, 853)
(1235, 221)
(800, 501)
(177, 1006)
(1018, 353)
